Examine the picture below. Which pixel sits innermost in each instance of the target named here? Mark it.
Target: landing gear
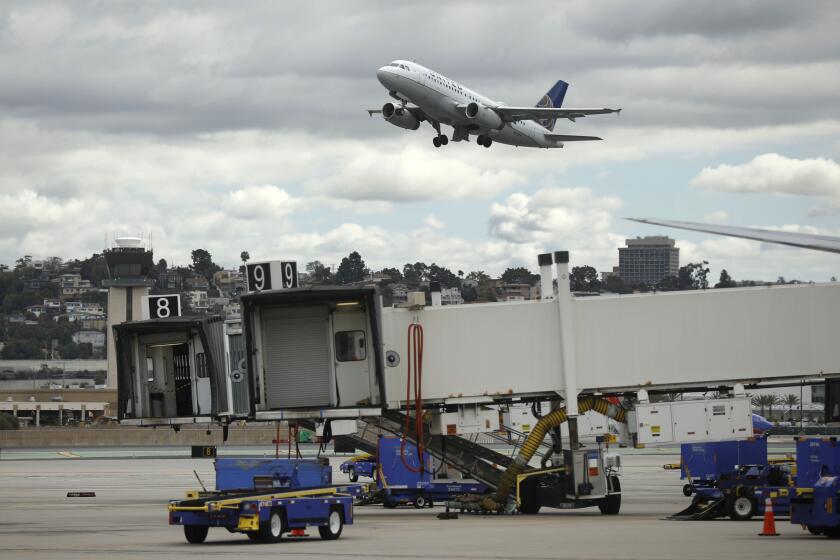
(485, 141)
(440, 140)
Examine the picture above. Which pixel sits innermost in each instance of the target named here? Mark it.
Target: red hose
(415, 356)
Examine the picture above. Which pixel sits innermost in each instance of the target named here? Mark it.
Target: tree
(22, 349)
(725, 281)
(416, 273)
(162, 264)
(318, 273)
(202, 263)
(244, 256)
(584, 279)
(790, 401)
(519, 275)
(392, 273)
(693, 276)
(352, 269)
(443, 275)
(616, 285)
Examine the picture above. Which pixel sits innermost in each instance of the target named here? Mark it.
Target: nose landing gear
(440, 140)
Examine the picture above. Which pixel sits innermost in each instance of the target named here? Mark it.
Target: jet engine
(400, 116)
(483, 116)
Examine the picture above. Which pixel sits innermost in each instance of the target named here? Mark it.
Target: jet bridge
(175, 371)
(333, 352)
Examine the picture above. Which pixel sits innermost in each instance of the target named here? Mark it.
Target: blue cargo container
(816, 457)
(243, 474)
(816, 504)
(703, 463)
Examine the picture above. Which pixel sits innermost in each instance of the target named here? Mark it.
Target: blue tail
(554, 98)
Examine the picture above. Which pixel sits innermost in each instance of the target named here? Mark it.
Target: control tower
(129, 264)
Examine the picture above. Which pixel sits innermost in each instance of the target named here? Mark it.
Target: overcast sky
(238, 126)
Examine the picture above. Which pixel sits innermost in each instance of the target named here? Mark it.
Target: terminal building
(648, 260)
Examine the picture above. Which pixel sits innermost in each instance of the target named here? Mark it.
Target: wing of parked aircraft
(511, 114)
(803, 240)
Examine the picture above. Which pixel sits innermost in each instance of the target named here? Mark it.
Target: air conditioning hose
(535, 438)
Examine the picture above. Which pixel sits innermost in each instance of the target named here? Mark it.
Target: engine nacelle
(400, 116)
(484, 116)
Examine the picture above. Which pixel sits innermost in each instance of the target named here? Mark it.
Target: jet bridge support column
(567, 339)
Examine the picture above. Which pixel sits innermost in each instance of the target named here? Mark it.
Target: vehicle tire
(611, 505)
(196, 534)
(335, 523)
(742, 508)
(420, 502)
(488, 142)
(354, 476)
(528, 497)
(480, 140)
(444, 140)
(436, 141)
(688, 490)
(832, 532)
(815, 530)
(272, 530)
(389, 504)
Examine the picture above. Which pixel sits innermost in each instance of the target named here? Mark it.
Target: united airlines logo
(546, 103)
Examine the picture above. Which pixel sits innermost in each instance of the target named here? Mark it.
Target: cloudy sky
(241, 126)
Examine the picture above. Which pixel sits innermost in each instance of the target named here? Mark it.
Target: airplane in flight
(425, 95)
(813, 241)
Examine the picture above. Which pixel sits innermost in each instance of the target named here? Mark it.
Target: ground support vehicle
(275, 504)
(733, 478)
(402, 479)
(741, 494)
(360, 465)
(816, 504)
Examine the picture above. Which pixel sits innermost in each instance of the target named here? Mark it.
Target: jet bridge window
(350, 346)
(201, 371)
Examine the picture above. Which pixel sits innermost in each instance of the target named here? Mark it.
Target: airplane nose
(383, 76)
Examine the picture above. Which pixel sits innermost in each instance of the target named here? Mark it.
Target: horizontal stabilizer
(569, 138)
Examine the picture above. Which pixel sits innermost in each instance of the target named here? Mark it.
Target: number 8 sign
(272, 275)
(161, 307)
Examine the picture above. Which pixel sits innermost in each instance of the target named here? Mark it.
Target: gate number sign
(273, 275)
(161, 307)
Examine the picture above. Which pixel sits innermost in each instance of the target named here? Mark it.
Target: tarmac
(128, 518)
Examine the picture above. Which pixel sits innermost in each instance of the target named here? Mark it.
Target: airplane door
(353, 358)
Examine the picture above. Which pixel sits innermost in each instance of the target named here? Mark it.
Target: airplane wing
(569, 138)
(802, 240)
(510, 114)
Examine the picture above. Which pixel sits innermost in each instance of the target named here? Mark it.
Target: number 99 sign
(272, 275)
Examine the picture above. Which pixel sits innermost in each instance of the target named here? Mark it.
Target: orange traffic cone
(769, 529)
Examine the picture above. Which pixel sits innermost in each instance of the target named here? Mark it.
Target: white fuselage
(439, 98)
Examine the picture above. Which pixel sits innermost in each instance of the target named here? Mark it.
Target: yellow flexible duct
(535, 438)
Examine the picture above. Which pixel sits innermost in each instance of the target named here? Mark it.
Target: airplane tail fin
(553, 99)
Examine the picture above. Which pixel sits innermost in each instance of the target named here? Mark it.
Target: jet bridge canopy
(171, 371)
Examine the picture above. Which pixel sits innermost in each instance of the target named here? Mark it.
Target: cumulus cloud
(774, 174)
(572, 219)
(410, 174)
